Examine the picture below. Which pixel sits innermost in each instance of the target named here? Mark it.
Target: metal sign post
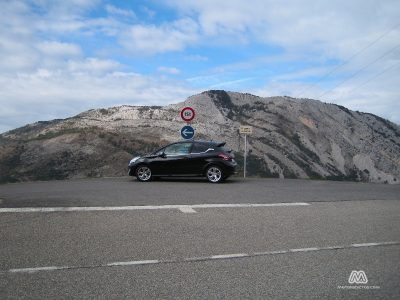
(245, 130)
(245, 155)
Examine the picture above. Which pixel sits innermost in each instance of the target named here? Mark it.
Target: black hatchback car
(186, 158)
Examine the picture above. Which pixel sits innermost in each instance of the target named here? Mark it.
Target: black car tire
(214, 174)
(143, 173)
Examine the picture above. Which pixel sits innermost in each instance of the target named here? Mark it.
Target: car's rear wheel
(143, 173)
(214, 174)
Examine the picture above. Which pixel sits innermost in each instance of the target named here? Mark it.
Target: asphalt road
(128, 191)
(164, 240)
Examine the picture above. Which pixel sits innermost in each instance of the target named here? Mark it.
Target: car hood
(136, 158)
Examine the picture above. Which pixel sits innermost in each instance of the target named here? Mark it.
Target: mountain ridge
(293, 138)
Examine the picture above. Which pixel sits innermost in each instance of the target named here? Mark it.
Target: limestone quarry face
(292, 138)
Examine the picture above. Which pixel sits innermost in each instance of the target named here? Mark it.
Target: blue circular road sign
(187, 132)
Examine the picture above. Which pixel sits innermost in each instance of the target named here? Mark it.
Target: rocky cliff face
(292, 138)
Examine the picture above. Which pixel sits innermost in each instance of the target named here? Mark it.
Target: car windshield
(159, 151)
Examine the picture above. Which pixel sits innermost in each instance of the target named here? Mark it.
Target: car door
(158, 163)
(177, 159)
(198, 157)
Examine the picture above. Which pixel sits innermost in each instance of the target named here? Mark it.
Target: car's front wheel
(143, 173)
(215, 174)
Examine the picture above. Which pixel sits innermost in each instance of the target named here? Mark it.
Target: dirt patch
(308, 122)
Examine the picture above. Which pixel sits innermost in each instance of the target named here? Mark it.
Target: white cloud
(59, 49)
(111, 9)
(324, 31)
(223, 17)
(16, 38)
(168, 70)
(337, 28)
(93, 65)
(151, 39)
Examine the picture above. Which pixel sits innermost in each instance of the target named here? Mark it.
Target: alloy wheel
(214, 174)
(143, 173)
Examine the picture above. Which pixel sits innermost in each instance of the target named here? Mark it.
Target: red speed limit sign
(187, 114)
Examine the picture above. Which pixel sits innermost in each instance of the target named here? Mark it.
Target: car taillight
(224, 156)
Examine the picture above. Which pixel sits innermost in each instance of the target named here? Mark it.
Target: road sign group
(187, 115)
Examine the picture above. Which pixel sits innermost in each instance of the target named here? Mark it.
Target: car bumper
(131, 171)
(230, 168)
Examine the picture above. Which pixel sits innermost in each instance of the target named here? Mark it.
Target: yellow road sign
(246, 129)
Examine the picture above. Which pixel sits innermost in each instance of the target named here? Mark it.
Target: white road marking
(270, 252)
(187, 210)
(204, 258)
(304, 249)
(365, 245)
(389, 243)
(239, 205)
(33, 270)
(133, 262)
(223, 256)
(183, 208)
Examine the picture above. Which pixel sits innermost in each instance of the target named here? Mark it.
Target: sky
(59, 58)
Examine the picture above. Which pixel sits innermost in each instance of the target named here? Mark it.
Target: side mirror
(163, 155)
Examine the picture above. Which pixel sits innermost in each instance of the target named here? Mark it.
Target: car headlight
(133, 160)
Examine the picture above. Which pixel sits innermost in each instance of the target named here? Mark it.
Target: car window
(200, 147)
(177, 149)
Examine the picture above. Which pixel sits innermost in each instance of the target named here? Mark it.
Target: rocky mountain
(292, 138)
